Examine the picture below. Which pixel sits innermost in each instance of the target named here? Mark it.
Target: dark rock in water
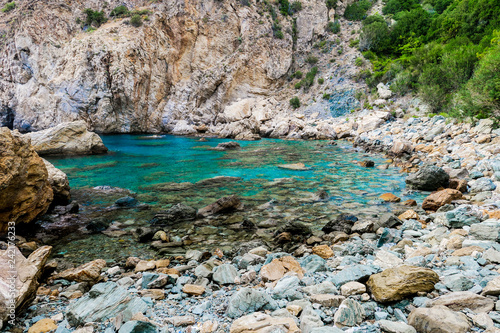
(428, 178)
(126, 202)
(343, 223)
(73, 208)
(295, 228)
(322, 195)
(137, 326)
(387, 220)
(144, 234)
(104, 301)
(224, 204)
(217, 181)
(367, 164)
(227, 145)
(174, 214)
(248, 225)
(96, 226)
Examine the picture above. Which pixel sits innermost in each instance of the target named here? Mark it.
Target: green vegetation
(331, 4)
(136, 20)
(357, 11)
(311, 59)
(321, 80)
(9, 6)
(308, 81)
(94, 18)
(334, 27)
(295, 102)
(446, 51)
(326, 96)
(359, 62)
(297, 75)
(120, 11)
(296, 6)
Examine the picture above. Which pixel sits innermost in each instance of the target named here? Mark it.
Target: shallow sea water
(165, 170)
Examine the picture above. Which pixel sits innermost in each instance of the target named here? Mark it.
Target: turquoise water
(163, 171)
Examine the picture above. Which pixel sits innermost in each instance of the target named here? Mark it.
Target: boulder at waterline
(222, 205)
(25, 191)
(227, 145)
(394, 284)
(28, 271)
(441, 198)
(294, 166)
(343, 223)
(71, 138)
(60, 184)
(174, 214)
(438, 319)
(104, 301)
(428, 178)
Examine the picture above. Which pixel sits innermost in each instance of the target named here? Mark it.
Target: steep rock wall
(188, 62)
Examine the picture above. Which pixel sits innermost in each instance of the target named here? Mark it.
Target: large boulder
(105, 301)
(222, 205)
(88, 272)
(441, 198)
(438, 319)
(25, 191)
(67, 139)
(60, 184)
(28, 271)
(428, 178)
(461, 300)
(248, 300)
(394, 284)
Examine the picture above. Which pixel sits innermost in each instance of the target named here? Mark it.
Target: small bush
(321, 80)
(136, 20)
(94, 18)
(9, 6)
(359, 62)
(298, 85)
(311, 59)
(297, 75)
(295, 102)
(296, 6)
(326, 96)
(334, 27)
(354, 43)
(279, 34)
(331, 4)
(120, 11)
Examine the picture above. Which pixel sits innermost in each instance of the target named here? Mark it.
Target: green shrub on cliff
(295, 102)
(94, 18)
(136, 20)
(357, 11)
(120, 11)
(9, 6)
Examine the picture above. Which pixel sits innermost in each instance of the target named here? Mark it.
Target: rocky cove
(349, 210)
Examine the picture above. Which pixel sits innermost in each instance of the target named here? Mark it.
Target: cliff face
(183, 68)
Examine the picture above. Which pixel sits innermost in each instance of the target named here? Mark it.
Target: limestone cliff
(180, 71)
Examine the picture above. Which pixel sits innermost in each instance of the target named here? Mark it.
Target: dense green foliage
(295, 102)
(94, 18)
(445, 50)
(357, 11)
(9, 6)
(136, 20)
(334, 27)
(120, 11)
(308, 81)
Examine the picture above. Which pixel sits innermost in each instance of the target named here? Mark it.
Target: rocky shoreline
(428, 268)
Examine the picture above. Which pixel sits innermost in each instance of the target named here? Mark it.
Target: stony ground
(426, 267)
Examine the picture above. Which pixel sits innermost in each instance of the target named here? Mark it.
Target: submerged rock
(228, 145)
(71, 138)
(174, 214)
(428, 178)
(222, 205)
(25, 191)
(294, 166)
